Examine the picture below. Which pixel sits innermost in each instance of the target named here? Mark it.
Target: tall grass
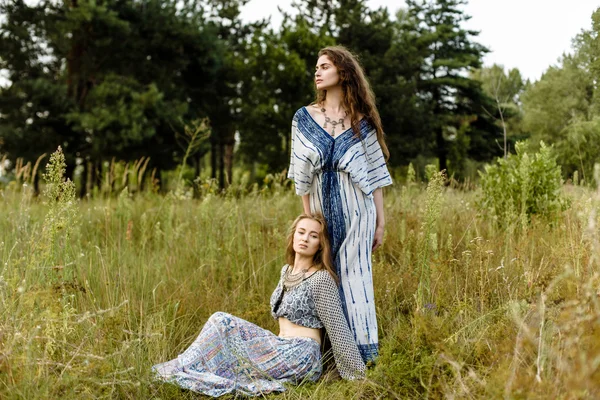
(128, 281)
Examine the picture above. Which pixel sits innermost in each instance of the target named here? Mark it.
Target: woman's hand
(378, 239)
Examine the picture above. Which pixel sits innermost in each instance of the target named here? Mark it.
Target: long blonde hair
(358, 97)
(322, 258)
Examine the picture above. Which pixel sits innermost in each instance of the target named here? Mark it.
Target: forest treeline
(126, 79)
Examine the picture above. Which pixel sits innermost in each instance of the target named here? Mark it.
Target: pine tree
(457, 123)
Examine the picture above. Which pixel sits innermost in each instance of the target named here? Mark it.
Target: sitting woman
(234, 355)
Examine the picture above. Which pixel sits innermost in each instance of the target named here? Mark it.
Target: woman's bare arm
(380, 227)
(306, 203)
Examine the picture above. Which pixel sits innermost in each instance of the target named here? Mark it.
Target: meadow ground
(94, 292)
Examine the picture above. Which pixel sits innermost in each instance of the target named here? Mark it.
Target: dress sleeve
(329, 310)
(301, 169)
(377, 171)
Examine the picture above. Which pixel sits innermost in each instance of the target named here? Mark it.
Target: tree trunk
(229, 161)
(89, 184)
(36, 184)
(213, 158)
(197, 166)
(197, 159)
(96, 181)
(83, 180)
(442, 151)
(221, 165)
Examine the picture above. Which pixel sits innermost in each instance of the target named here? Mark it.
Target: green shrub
(515, 188)
(579, 149)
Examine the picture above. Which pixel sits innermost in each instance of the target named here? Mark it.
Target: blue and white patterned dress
(340, 174)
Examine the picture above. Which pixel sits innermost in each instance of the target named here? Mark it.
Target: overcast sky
(527, 34)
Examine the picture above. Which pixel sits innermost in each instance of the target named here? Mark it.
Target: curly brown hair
(358, 97)
(322, 258)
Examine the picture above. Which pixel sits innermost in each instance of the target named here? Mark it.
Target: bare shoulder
(313, 109)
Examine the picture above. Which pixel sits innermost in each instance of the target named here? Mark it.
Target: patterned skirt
(234, 355)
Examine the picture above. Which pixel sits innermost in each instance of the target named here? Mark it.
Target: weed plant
(94, 292)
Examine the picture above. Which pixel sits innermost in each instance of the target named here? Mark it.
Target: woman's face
(307, 237)
(326, 74)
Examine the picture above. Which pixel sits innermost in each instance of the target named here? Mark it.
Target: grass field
(93, 292)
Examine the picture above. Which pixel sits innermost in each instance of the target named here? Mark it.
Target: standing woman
(338, 165)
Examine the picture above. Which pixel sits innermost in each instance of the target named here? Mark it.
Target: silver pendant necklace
(333, 123)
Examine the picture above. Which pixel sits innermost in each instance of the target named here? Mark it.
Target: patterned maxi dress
(340, 174)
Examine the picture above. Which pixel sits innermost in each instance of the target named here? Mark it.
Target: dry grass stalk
(35, 167)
